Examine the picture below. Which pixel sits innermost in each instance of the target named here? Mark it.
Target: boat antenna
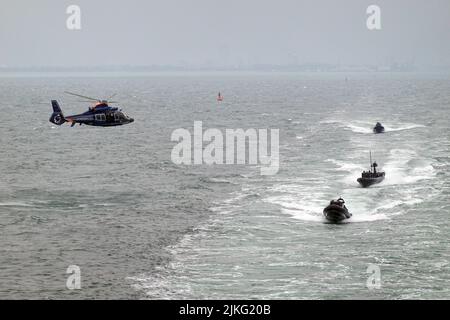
(370, 161)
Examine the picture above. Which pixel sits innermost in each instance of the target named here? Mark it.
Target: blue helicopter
(100, 114)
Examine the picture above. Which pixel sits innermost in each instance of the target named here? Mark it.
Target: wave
(312, 211)
(369, 128)
(345, 166)
(354, 170)
(403, 167)
(366, 127)
(360, 208)
(405, 127)
(301, 215)
(217, 180)
(15, 204)
(329, 121)
(358, 129)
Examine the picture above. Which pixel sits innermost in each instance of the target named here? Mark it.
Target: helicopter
(100, 114)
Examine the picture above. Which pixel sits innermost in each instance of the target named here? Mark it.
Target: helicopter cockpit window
(120, 116)
(100, 117)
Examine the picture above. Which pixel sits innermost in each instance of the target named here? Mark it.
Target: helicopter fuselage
(101, 116)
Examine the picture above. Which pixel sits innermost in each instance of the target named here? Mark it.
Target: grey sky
(223, 33)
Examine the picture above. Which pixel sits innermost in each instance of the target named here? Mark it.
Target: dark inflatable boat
(378, 128)
(369, 179)
(336, 211)
(372, 176)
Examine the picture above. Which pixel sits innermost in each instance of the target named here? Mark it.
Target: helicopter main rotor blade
(79, 95)
(112, 96)
(99, 101)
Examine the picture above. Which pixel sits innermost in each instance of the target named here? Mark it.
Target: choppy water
(111, 201)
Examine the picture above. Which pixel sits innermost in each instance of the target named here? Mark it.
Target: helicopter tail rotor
(57, 116)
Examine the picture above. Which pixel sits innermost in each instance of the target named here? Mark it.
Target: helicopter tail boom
(57, 116)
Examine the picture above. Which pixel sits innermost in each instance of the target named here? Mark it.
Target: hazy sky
(223, 33)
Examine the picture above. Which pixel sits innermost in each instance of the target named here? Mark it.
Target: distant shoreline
(304, 68)
(62, 73)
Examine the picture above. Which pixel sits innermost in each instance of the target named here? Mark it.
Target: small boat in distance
(336, 211)
(378, 128)
(219, 97)
(372, 176)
